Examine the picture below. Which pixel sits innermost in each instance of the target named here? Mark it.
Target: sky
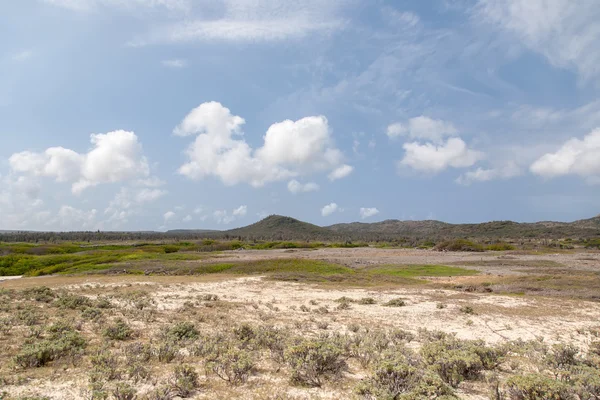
(213, 114)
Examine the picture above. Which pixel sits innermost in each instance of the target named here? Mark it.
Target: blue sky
(164, 114)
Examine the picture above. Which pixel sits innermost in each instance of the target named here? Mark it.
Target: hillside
(277, 227)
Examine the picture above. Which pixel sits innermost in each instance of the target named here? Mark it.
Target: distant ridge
(281, 228)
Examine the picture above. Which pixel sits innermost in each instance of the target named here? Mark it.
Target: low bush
(232, 365)
(184, 381)
(73, 302)
(395, 303)
(56, 346)
(536, 387)
(314, 361)
(459, 245)
(119, 330)
(181, 331)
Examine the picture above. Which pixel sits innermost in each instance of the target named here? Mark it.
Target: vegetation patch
(411, 271)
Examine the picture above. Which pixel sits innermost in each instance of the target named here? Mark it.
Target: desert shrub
(6, 325)
(562, 356)
(232, 364)
(56, 346)
(166, 351)
(40, 293)
(586, 381)
(500, 247)
(274, 340)
(103, 302)
(366, 347)
(343, 306)
(91, 313)
(535, 387)
(398, 378)
(595, 348)
(402, 335)
(313, 361)
(170, 249)
(209, 297)
(367, 301)
(119, 330)
(353, 327)
(73, 302)
(440, 306)
(182, 331)
(28, 316)
(137, 372)
(395, 303)
(458, 245)
(467, 310)
(184, 381)
(344, 299)
(245, 333)
(455, 360)
(105, 365)
(124, 391)
(137, 352)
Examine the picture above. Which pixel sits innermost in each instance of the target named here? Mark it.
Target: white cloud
(20, 205)
(484, 175)
(433, 158)
(566, 32)
(22, 55)
(129, 202)
(340, 172)
(198, 210)
(169, 215)
(329, 209)
(422, 128)
(116, 156)
(575, 157)
(75, 219)
(132, 5)
(290, 148)
(188, 218)
(251, 21)
(240, 211)
(368, 212)
(296, 187)
(175, 63)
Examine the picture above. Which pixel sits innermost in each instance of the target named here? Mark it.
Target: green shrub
(395, 303)
(124, 391)
(467, 310)
(105, 365)
(232, 364)
(119, 330)
(56, 346)
(500, 247)
(73, 302)
(170, 249)
(184, 381)
(166, 351)
(313, 361)
(182, 331)
(459, 245)
(367, 301)
(536, 387)
(40, 293)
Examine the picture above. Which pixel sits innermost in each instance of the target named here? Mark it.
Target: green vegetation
(411, 271)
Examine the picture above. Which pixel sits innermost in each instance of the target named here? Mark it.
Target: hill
(277, 227)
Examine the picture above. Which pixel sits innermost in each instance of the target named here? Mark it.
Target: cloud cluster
(290, 148)
(422, 127)
(329, 209)
(296, 187)
(510, 170)
(368, 212)
(575, 157)
(116, 156)
(224, 217)
(129, 201)
(563, 31)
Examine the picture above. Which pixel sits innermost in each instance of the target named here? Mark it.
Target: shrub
(171, 249)
(124, 391)
(395, 303)
(40, 293)
(166, 351)
(586, 381)
(459, 245)
(313, 361)
(500, 247)
(534, 387)
(273, 339)
(467, 310)
(182, 331)
(92, 314)
(232, 365)
(184, 381)
(105, 365)
(367, 301)
(119, 330)
(57, 346)
(73, 302)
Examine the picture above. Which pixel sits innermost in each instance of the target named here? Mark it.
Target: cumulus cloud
(20, 205)
(422, 128)
(132, 5)
(116, 156)
(563, 31)
(187, 218)
(240, 211)
(290, 148)
(76, 219)
(329, 209)
(296, 187)
(129, 202)
(575, 157)
(432, 158)
(225, 217)
(488, 174)
(169, 215)
(368, 212)
(340, 172)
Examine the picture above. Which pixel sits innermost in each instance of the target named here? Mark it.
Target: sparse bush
(182, 331)
(55, 347)
(184, 381)
(343, 306)
(119, 330)
(209, 297)
(40, 293)
(440, 306)
(166, 351)
(91, 313)
(467, 310)
(138, 352)
(367, 301)
(124, 391)
(453, 360)
(395, 303)
(232, 365)
(313, 361)
(105, 365)
(459, 245)
(170, 249)
(73, 302)
(536, 387)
